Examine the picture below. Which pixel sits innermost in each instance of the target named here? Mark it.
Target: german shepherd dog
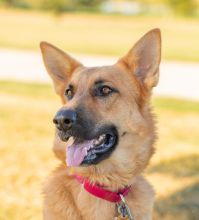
(105, 135)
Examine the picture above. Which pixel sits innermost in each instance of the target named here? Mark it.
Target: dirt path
(177, 79)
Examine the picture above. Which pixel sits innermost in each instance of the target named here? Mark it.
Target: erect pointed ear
(144, 58)
(59, 65)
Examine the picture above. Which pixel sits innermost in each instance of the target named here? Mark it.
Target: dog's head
(105, 124)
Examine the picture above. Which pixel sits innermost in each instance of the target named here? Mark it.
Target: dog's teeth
(97, 142)
(100, 140)
(86, 151)
(102, 137)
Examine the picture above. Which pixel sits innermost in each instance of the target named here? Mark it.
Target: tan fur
(134, 75)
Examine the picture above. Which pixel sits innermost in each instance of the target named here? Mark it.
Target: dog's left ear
(144, 58)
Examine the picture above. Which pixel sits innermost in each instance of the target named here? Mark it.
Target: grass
(98, 34)
(26, 158)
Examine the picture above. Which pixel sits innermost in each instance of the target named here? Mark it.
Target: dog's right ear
(59, 65)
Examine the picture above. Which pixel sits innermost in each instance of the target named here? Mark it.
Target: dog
(105, 134)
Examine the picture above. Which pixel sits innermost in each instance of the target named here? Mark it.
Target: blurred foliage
(14, 3)
(53, 5)
(57, 6)
(178, 7)
(184, 7)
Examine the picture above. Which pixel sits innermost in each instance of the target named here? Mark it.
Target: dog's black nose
(65, 119)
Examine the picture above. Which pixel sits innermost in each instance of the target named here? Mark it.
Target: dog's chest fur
(66, 199)
(98, 208)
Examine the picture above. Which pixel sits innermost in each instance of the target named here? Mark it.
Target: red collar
(99, 192)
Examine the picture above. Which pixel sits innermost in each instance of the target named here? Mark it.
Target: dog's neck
(113, 181)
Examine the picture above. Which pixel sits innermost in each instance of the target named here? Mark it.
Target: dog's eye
(104, 91)
(69, 93)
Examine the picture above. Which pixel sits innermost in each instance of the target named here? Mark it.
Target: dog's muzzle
(91, 144)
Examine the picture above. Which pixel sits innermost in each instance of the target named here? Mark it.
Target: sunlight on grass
(26, 158)
(98, 34)
(26, 138)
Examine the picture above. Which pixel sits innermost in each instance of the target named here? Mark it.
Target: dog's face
(105, 118)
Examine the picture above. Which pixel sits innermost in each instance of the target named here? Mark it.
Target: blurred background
(96, 32)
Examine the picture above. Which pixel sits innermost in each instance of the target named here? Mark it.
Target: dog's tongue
(76, 153)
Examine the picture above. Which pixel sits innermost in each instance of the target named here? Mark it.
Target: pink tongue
(77, 152)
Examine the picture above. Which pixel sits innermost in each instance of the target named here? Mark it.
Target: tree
(185, 7)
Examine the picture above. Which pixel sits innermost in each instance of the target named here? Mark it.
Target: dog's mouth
(88, 152)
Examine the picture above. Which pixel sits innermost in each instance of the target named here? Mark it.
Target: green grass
(176, 104)
(26, 158)
(98, 34)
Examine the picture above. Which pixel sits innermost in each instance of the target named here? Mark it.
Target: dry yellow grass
(26, 159)
(98, 34)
